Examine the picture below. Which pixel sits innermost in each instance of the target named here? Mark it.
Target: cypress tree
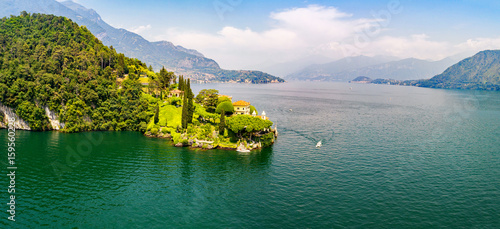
(222, 124)
(157, 114)
(190, 101)
(181, 83)
(184, 112)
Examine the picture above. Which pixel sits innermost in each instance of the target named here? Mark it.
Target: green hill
(182, 61)
(481, 71)
(49, 62)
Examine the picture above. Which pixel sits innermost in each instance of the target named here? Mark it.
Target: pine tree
(222, 124)
(157, 114)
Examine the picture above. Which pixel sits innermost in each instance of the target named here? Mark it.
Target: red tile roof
(241, 103)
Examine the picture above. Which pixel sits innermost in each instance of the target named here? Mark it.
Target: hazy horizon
(248, 34)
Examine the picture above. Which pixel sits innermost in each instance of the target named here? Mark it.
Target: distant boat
(318, 144)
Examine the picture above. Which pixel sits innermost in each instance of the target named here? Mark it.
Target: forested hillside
(49, 61)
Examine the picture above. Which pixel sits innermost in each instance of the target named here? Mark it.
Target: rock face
(53, 118)
(19, 124)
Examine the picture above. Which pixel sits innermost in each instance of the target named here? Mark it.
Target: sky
(242, 34)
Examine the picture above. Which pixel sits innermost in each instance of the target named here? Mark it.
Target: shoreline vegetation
(56, 75)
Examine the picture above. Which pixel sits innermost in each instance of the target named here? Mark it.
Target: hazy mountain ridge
(181, 60)
(333, 71)
(374, 67)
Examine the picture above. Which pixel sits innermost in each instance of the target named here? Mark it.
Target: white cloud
(480, 44)
(294, 33)
(314, 30)
(140, 29)
(418, 46)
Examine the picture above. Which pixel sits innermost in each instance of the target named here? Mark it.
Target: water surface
(392, 157)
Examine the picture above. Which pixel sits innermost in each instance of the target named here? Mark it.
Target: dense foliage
(49, 61)
(208, 98)
(243, 124)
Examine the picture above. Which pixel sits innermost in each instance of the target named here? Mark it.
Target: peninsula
(56, 75)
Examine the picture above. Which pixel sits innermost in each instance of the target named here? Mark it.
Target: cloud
(417, 45)
(313, 30)
(293, 33)
(480, 44)
(140, 29)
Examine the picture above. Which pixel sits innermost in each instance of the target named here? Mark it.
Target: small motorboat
(318, 144)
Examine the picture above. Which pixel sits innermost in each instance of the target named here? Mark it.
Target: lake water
(392, 157)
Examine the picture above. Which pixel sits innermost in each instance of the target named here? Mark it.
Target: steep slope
(51, 68)
(176, 58)
(481, 71)
(331, 71)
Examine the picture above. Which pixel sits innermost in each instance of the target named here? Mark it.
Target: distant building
(175, 93)
(241, 107)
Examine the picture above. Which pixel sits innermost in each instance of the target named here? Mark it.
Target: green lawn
(169, 115)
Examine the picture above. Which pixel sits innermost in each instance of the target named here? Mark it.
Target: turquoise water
(392, 157)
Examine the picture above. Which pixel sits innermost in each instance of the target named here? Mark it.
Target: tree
(164, 78)
(190, 101)
(208, 98)
(226, 107)
(157, 114)
(252, 109)
(222, 123)
(242, 124)
(181, 83)
(222, 99)
(185, 110)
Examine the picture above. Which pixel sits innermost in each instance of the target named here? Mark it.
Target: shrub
(154, 131)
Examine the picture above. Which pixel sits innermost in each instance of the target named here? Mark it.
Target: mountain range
(385, 67)
(481, 71)
(187, 62)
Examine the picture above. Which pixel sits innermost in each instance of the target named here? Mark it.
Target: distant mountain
(181, 60)
(286, 68)
(481, 71)
(406, 69)
(332, 71)
(375, 67)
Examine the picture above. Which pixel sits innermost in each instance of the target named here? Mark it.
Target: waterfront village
(208, 121)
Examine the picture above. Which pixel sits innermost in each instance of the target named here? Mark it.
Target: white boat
(318, 144)
(242, 149)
